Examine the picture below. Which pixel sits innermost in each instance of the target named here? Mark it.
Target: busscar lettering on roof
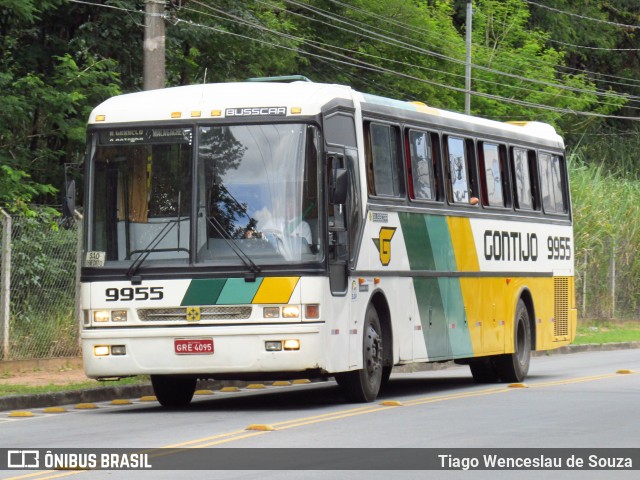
(255, 111)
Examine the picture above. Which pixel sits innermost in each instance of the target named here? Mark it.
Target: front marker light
(312, 312)
(291, 311)
(101, 316)
(291, 344)
(101, 350)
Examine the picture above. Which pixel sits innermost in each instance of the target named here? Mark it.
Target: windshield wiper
(244, 258)
(144, 253)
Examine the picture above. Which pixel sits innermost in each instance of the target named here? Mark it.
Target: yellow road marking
(242, 434)
(47, 472)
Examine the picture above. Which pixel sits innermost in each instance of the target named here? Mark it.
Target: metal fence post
(584, 284)
(613, 279)
(5, 280)
(77, 309)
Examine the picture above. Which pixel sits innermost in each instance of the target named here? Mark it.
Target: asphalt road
(571, 401)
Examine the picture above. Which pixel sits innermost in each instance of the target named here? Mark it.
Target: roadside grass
(607, 332)
(6, 390)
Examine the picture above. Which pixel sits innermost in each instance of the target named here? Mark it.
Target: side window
(421, 162)
(459, 190)
(551, 177)
(492, 174)
(382, 159)
(522, 173)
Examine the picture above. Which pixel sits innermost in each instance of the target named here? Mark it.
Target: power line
(401, 44)
(113, 7)
(586, 47)
(238, 20)
(379, 69)
(615, 24)
(429, 34)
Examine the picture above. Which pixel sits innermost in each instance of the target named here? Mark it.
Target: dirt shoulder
(36, 373)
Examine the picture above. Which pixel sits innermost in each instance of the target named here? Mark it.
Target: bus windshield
(256, 200)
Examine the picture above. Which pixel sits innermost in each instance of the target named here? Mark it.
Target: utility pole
(153, 60)
(467, 77)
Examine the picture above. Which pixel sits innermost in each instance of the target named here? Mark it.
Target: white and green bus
(270, 229)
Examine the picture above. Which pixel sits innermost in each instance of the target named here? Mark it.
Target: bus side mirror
(339, 186)
(69, 199)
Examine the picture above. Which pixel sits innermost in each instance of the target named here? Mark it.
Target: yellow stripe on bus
(276, 290)
(464, 247)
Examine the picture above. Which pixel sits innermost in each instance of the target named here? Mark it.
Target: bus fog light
(101, 350)
(312, 312)
(291, 311)
(273, 346)
(291, 344)
(118, 350)
(101, 316)
(271, 312)
(119, 316)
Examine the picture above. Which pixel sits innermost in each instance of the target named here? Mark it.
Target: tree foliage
(61, 58)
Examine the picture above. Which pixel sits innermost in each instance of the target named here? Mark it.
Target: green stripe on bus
(440, 303)
(441, 244)
(416, 239)
(203, 291)
(238, 291)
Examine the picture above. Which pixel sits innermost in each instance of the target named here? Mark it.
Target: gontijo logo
(383, 244)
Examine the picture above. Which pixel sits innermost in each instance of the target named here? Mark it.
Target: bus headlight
(291, 311)
(291, 344)
(101, 316)
(101, 350)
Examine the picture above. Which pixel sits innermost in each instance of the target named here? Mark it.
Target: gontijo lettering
(510, 246)
(255, 111)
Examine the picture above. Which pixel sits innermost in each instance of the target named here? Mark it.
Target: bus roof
(277, 99)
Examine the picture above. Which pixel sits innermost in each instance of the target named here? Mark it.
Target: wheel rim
(373, 354)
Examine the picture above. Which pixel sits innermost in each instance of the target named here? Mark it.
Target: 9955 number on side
(128, 294)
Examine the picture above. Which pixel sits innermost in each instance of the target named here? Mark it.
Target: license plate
(193, 346)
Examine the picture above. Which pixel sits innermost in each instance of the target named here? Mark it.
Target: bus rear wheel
(173, 391)
(514, 367)
(363, 385)
(483, 370)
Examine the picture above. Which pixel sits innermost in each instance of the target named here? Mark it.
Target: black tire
(386, 373)
(514, 367)
(173, 391)
(483, 370)
(363, 385)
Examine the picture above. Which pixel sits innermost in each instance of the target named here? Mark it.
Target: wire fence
(39, 297)
(608, 282)
(38, 313)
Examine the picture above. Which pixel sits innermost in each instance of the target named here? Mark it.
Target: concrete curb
(101, 394)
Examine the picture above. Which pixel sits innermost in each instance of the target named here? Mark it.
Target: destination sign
(145, 136)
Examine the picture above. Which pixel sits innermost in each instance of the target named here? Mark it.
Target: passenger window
(492, 171)
(458, 174)
(523, 179)
(421, 167)
(551, 177)
(383, 160)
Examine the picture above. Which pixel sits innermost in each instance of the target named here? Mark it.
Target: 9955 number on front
(129, 294)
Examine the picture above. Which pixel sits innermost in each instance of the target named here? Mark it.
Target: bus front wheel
(363, 385)
(173, 391)
(514, 367)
